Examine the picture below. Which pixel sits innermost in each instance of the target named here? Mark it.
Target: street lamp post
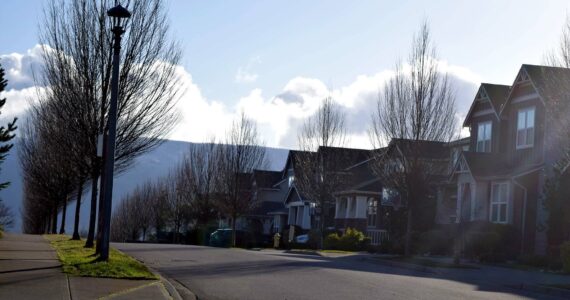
(119, 15)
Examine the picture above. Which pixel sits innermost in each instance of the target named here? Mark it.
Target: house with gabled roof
(501, 178)
(368, 204)
(303, 210)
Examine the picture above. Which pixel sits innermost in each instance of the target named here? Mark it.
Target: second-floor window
(484, 137)
(525, 128)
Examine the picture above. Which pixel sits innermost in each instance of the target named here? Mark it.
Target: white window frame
(526, 129)
(499, 203)
(481, 136)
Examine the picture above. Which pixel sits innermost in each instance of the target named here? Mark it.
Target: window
(343, 204)
(352, 211)
(390, 197)
(484, 137)
(372, 212)
(499, 202)
(525, 128)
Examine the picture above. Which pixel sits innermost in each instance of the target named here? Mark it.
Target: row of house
(496, 175)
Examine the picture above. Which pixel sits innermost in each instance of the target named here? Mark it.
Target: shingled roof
(486, 164)
(342, 158)
(497, 95)
(266, 179)
(427, 149)
(551, 82)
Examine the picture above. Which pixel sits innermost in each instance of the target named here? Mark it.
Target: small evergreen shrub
(351, 240)
(332, 241)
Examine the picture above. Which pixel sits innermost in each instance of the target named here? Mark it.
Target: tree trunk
(63, 216)
(77, 212)
(48, 225)
(144, 234)
(407, 249)
(93, 212)
(54, 220)
(233, 230)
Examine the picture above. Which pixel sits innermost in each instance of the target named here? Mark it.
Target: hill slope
(148, 166)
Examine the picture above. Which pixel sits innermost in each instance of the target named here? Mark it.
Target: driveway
(215, 273)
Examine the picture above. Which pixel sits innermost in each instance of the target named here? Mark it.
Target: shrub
(332, 241)
(565, 256)
(492, 243)
(437, 241)
(351, 240)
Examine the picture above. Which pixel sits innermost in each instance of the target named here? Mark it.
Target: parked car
(223, 238)
(302, 239)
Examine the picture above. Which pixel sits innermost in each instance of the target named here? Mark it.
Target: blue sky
(244, 54)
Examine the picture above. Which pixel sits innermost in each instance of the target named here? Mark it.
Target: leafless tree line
(212, 180)
(58, 149)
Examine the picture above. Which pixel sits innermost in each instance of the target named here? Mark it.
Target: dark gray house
(500, 179)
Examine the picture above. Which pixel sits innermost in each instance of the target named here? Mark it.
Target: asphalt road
(214, 273)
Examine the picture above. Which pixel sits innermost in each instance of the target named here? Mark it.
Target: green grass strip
(80, 261)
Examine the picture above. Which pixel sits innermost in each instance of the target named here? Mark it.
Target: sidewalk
(29, 269)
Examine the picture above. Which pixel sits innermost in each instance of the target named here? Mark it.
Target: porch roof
(493, 165)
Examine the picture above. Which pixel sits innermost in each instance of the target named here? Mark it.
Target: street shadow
(484, 279)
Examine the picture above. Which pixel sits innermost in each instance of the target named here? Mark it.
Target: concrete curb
(542, 289)
(176, 290)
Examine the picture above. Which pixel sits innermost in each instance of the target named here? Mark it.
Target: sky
(277, 60)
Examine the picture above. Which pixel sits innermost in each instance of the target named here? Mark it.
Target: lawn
(428, 262)
(80, 261)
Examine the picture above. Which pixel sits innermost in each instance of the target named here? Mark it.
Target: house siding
(527, 156)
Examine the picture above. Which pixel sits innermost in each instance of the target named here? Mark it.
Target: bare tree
(199, 170)
(179, 197)
(417, 104)
(241, 153)
(6, 216)
(560, 55)
(77, 69)
(124, 220)
(43, 157)
(317, 175)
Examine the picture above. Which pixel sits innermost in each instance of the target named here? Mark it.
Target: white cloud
(20, 68)
(246, 74)
(278, 116)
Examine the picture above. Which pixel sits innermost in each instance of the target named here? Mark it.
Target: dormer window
(484, 137)
(525, 128)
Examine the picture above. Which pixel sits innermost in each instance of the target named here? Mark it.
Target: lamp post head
(119, 15)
